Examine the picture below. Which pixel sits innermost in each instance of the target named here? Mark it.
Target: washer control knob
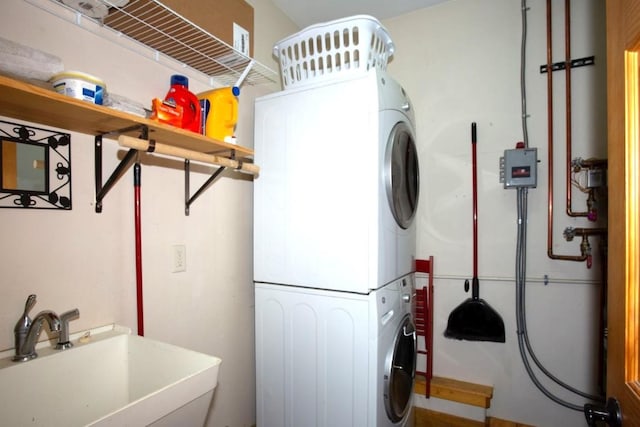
(406, 297)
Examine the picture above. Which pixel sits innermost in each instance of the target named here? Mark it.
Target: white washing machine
(332, 359)
(338, 187)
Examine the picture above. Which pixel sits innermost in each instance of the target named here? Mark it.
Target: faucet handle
(24, 321)
(28, 305)
(63, 335)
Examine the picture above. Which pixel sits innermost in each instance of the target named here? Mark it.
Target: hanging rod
(156, 147)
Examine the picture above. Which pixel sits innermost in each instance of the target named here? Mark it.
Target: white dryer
(338, 187)
(335, 359)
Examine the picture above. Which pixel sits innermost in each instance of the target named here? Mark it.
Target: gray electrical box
(519, 168)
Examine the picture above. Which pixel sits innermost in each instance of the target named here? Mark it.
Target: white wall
(460, 63)
(86, 260)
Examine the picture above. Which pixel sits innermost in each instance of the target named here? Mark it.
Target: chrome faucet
(27, 331)
(63, 335)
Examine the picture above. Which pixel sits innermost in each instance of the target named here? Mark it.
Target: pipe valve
(585, 248)
(592, 207)
(569, 233)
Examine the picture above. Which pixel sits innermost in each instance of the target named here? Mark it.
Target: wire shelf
(161, 29)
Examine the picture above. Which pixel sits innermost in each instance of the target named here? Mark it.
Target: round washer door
(399, 371)
(402, 174)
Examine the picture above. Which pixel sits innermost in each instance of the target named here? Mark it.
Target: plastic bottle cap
(178, 79)
(235, 91)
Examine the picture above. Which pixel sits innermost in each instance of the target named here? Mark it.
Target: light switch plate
(179, 258)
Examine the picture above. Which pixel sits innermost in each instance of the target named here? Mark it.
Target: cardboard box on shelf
(231, 21)
(220, 18)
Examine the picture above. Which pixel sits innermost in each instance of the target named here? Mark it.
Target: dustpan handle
(474, 163)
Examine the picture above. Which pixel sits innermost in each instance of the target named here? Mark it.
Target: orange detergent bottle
(220, 112)
(183, 99)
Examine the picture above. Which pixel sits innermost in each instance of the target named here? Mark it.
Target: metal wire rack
(154, 25)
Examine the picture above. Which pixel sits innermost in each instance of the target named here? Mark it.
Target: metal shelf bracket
(102, 190)
(188, 199)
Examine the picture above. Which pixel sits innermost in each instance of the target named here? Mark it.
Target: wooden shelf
(24, 101)
(461, 391)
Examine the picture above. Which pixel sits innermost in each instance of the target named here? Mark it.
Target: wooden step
(496, 422)
(420, 385)
(428, 418)
(457, 391)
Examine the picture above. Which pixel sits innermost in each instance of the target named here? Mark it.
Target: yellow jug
(219, 112)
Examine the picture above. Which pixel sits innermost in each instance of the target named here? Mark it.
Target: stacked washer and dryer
(335, 242)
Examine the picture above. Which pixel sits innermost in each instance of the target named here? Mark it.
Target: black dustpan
(474, 319)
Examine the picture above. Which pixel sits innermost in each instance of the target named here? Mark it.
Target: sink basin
(109, 378)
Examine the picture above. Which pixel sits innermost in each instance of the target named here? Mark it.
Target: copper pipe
(579, 231)
(593, 163)
(549, 135)
(569, 137)
(567, 74)
(550, 253)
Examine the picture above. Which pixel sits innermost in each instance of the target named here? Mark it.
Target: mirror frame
(57, 164)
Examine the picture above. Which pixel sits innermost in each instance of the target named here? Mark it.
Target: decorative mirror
(35, 166)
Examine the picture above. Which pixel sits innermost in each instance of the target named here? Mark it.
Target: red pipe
(136, 186)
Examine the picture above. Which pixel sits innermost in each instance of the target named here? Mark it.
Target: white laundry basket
(332, 50)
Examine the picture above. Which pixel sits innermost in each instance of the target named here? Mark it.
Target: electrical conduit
(524, 345)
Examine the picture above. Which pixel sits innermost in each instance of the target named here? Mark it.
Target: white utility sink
(109, 378)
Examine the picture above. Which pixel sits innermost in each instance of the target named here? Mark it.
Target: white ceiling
(307, 12)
